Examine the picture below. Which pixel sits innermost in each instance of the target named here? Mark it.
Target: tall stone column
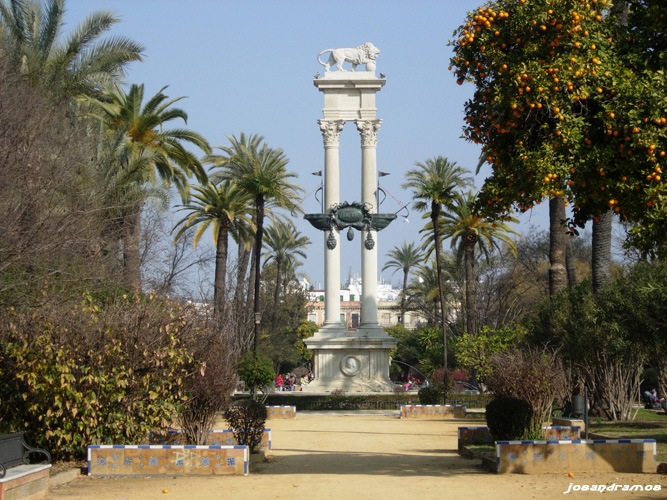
(369, 258)
(331, 130)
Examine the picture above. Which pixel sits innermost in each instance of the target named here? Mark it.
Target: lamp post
(321, 188)
(377, 193)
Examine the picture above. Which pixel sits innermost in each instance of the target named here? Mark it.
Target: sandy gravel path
(359, 456)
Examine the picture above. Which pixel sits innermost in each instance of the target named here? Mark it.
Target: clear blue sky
(249, 66)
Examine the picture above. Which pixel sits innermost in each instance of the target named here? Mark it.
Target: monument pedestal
(352, 362)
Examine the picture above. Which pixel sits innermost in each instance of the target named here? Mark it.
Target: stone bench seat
(282, 412)
(28, 481)
(19, 479)
(598, 455)
(433, 411)
(167, 460)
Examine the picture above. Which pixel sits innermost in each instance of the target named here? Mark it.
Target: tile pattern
(447, 412)
(284, 412)
(177, 460)
(603, 455)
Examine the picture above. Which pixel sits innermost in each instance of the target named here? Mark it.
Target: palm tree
(467, 231)
(147, 152)
(284, 243)
(423, 293)
(262, 173)
(223, 208)
(434, 185)
(404, 258)
(601, 260)
(82, 64)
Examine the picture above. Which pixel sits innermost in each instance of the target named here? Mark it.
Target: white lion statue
(362, 54)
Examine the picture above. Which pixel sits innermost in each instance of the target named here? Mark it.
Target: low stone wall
(611, 455)
(482, 435)
(433, 411)
(150, 460)
(562, 432)
(473, 435)
(25, 481)
(281, 412)
(569, 422)
(215, 437)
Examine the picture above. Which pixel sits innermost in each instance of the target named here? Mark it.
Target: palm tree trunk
(131, 245)
(557, 235)
(219, 291)
(471, 312)
(406, 272)
(259, 208)
(241, 270)
(250, 303)
(435, 219)
(276, 294)
(435, 216)
(601, 261)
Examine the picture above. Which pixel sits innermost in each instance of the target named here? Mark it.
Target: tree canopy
(570, 101)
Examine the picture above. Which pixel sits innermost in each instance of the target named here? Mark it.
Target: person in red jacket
(279, 382)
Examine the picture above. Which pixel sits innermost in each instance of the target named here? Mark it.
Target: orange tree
(567, 104)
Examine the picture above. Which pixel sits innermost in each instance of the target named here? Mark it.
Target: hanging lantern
(350, 234)
(331, 241)
(369, 243)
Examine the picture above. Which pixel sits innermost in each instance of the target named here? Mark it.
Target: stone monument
(352, 361)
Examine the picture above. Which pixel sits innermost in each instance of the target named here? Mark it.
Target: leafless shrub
(534, 374)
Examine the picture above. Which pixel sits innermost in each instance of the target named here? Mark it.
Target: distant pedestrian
(280, 382)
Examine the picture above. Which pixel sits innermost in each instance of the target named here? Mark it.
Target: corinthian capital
(369, 132)
(331, 130)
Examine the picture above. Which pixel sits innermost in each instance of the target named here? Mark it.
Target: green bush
(75, 374)
(246, 418)
(430, 395)
(508, 418)
(256, 370)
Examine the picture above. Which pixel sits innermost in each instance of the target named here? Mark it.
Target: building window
(312, 317)
(355, 320)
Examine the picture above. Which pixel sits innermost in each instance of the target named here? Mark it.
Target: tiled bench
(481, 435)
(433, 411)
(569, 422)
(604, 455)
(181, 460)
(284, 412)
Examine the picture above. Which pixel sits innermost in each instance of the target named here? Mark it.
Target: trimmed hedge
(508, 418)
(319, 402)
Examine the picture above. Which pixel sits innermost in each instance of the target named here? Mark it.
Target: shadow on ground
(436, 463)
